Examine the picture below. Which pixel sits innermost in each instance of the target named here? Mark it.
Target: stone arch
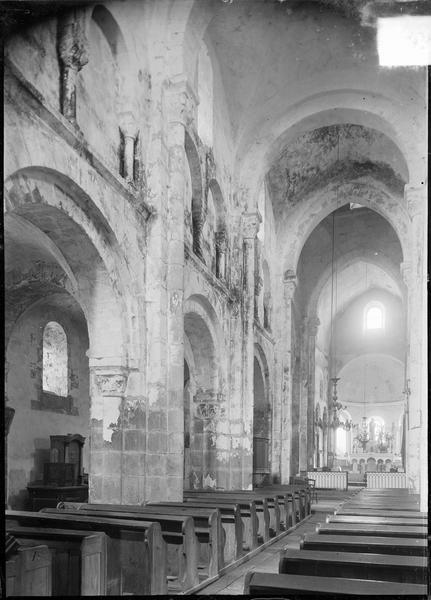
(55, 205)
(345, 262)
(322, 109)
(203, 351)
(308, 214)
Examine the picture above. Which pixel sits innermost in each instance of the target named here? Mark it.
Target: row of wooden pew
(375, 544)
(157, 548)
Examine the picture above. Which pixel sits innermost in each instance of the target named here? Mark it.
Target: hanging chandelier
(336, 405)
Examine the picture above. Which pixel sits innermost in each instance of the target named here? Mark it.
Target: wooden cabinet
(48, 496)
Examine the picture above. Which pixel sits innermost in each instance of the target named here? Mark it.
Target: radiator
(332, 480)
(387, 480)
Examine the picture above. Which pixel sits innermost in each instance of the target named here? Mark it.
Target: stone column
(221, 252)
(303, 400)
(415, 277)
(72, 52)
(108, 438)
(313, 324)
(289, 285)
(129, 130)
(251, 222)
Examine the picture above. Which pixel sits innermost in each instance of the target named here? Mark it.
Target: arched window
(374, 316)
(55, 363)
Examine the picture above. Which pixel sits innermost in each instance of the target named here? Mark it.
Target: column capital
(73, 43)
(110, 381)
(128, 124)
(221, 240)
(250, 224)
(416, 199)
(289, 282)
(313, 325)
(406, 272)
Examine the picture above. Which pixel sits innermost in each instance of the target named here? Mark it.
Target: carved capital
(128, 124)
(221, 241)
(110, 382)
(313, 325)
(416, 200)
(72, 41)
(209, 411)
(250, 224)
(258, 285)
(406, 273)
(290, 282)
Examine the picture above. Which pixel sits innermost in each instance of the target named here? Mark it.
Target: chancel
(215, 298)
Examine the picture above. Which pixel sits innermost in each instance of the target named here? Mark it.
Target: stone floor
(267, 561)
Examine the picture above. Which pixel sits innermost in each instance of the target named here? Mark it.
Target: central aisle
(267, 561)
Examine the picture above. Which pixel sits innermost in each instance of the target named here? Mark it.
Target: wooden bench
(29, 572)
(78, 558)
(373, 520)
(136, 559)
(230, 516)
(371, 530)
(178, 532)
(387, 506)
(302, 494)
(248, 513)
(183, 531)
(296, 505)
(347, 510)
(261, 505)
(363, 543)
(381, 567)
(271, 584)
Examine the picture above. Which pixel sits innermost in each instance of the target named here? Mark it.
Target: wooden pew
(371, 530)
(347, 510)
(230, 516)
(387, 506)
(271, 584)
(247, 508)
(302, 494)
(29, 572)
(261, 504)
(373, 520)
(178, 533)
(136, 550)
(78, 558)
(180, 529)
(381, 567)
(363, 543)
(296, 504)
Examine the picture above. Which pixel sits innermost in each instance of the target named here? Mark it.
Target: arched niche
(204, 394)
(262, 419)
(104, 87)
(43, 410)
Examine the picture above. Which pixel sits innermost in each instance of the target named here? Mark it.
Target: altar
(364, 462)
